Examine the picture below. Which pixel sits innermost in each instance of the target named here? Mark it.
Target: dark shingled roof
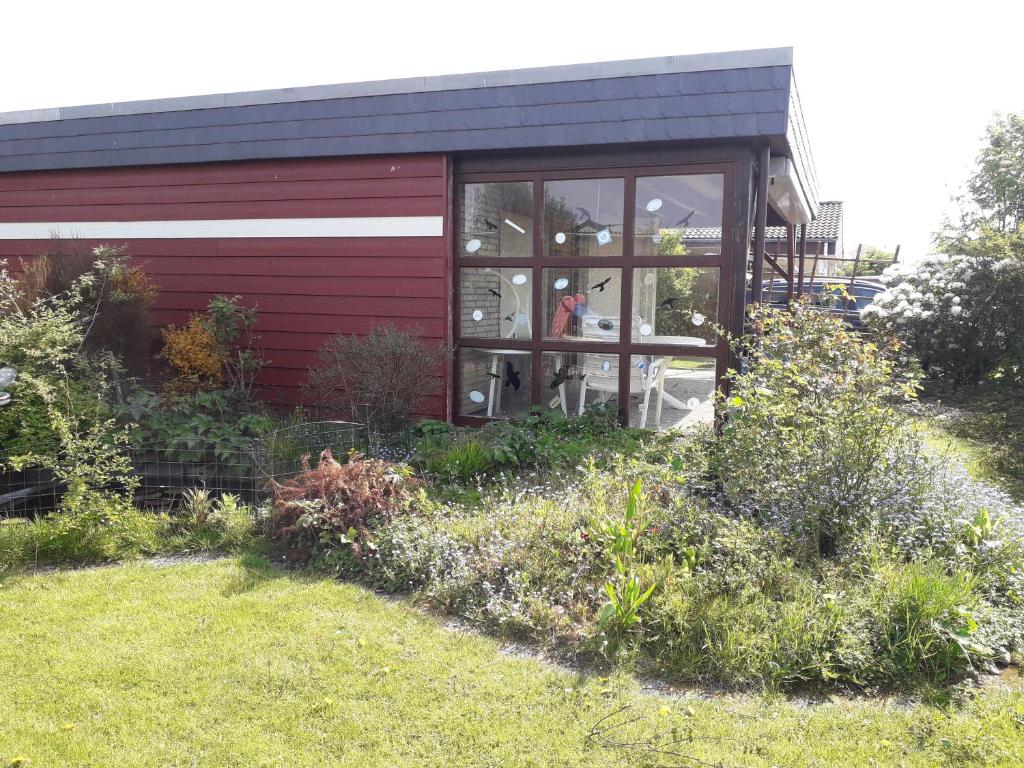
(743, 94)
(827, 226)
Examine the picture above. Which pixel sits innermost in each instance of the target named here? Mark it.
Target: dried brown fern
(324, 504)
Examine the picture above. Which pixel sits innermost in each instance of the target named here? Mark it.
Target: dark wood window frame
(726, 262)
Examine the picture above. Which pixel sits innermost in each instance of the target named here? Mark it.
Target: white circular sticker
(698, 318)
(606, 366)
(478, 315)
(477, 397)
(656, 238)
(692, 403)
(560, 238)
(473, 246)
(523, 318)
(649, 278)
(646, 330)
(561, 283)
(654, 205)
(519, 279)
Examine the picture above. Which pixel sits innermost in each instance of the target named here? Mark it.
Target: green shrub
(542, 440)
(385, 372)
(459, 463)
(212, 427)
(813, 439)
(116, 298)
(959, 315)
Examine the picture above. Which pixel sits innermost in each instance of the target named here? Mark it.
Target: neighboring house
(537, 219)
(824, 239)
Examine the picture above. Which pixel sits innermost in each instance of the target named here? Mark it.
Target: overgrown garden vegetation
(812, 542)
(959, 313)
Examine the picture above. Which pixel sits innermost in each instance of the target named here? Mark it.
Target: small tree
(215, 350)
(386, 371)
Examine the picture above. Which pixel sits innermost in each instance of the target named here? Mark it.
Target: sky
(896, 95)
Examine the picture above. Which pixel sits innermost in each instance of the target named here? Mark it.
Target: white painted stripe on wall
(354, 226)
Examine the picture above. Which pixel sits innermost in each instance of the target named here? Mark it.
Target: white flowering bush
(959, 315)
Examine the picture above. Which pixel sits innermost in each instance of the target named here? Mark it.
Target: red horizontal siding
(305, 288)
(359, 247)
(247, 172)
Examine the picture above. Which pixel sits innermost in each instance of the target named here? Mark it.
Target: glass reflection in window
(497, 219)
(675, 305)
(583, 217)
(494, 383)
(495, 302)
(678, 215)
(582, 303)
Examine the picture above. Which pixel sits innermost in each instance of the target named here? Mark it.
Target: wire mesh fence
(165, 472)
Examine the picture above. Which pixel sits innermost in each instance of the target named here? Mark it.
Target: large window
(594, 289)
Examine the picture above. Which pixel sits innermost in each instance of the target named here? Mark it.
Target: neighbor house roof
(828, 226)
(718, 96)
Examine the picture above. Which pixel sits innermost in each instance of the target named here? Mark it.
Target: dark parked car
(835, 295)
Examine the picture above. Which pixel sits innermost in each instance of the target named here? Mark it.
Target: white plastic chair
(601, 374)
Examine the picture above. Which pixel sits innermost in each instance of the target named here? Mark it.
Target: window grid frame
(540, 259)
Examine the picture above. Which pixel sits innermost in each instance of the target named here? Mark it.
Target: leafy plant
(215, 349)
(205, 427)
(461, 463)
(196, 504)
(813, 441)
(959, 315)
(626, 591)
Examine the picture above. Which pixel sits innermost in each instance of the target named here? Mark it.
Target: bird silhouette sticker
(511, 376)
(562, 375)
(493, 292)
(599, 287)
(685, 221)
(669, 303)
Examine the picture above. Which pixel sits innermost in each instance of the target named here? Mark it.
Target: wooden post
(803, 255)
(760, 223)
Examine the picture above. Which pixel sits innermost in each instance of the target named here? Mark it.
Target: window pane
(494, 382)
(495, 303)
(675, 305)
(583, 217)
(497, 219)
(678, 215)
(563, 377)
(671, 392)
(596, 380)
(583, 303)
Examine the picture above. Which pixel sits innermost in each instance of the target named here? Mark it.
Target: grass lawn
(988, 437)
(234, 663)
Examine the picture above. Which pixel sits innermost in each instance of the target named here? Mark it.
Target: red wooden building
(538, 218)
